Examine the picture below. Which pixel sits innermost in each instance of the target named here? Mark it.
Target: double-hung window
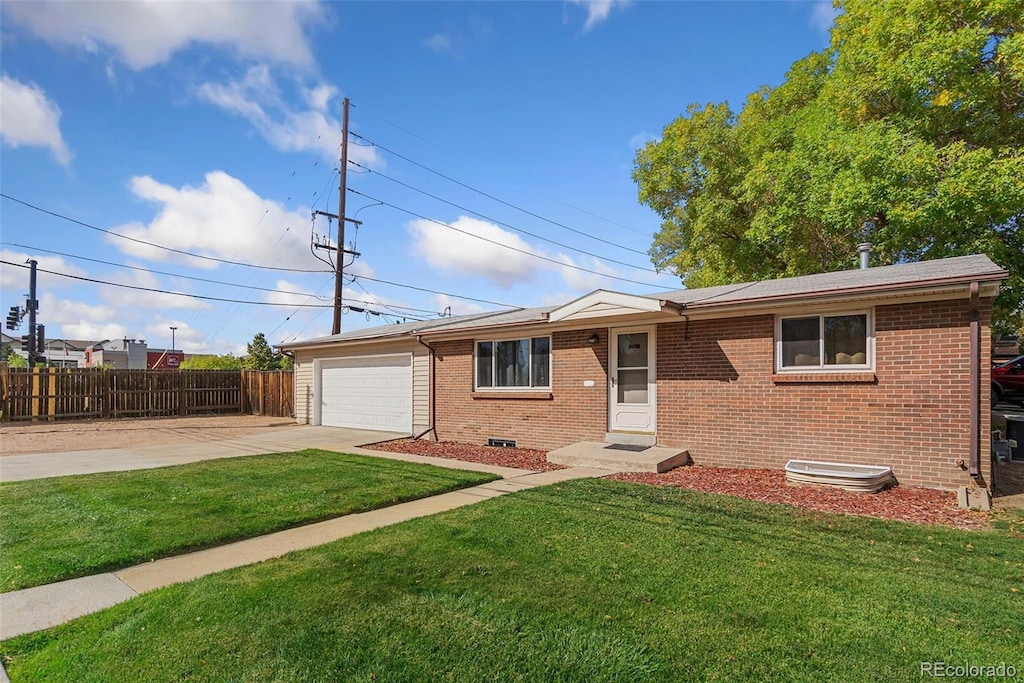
(514, 364)
(826, 341)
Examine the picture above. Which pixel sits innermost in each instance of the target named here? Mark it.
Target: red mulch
(901, 503)
(521, 458)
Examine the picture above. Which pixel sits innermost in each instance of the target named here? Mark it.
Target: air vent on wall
(501, 443)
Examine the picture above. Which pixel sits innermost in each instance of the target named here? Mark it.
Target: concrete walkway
(35, 609)
(45, 465)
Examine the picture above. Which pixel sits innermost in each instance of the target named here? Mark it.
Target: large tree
(907, 132)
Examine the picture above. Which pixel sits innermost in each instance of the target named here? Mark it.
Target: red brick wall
(717, 397)
(572, 412)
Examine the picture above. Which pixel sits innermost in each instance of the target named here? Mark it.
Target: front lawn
(585, 581)
(55, 529)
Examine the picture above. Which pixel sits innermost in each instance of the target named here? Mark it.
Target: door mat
(626, 447)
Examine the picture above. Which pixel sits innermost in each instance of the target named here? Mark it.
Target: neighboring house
(876, 366)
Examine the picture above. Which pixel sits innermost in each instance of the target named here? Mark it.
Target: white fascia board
(632, 302)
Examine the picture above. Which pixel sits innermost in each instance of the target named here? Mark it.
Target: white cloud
(256, 98)
(582, 281)
(292, 294)
(450, 250)
(641, 139)
(439, 42)
(185, 337)
(823, 15)
(222, 218)
(459, 306)
(461, 250)
(141, 300)
(78, 320)
(28, 117)
(13, 277)
(598, 10)
(146, 33)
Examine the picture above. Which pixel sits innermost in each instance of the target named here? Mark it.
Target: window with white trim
(515, 364)
(824, 341)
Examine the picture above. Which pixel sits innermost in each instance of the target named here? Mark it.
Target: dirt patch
(901, 503)
(60, 437)
(521, 458)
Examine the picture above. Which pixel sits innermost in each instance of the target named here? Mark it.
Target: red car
(1008, 381)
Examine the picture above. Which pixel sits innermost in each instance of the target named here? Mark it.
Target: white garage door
(370, 392)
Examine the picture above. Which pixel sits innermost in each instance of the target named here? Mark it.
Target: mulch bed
(521, 458)
(901, 503)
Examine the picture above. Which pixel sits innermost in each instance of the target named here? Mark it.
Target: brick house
(877, 366)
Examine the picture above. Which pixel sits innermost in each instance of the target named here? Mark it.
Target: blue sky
(213, 129)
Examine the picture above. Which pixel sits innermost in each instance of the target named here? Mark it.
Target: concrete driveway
(44, 465)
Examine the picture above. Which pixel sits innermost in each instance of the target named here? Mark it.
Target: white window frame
(494, 359)
(821, 315)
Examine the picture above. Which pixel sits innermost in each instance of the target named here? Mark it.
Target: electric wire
(507, 225)
(155, 272)
(497, 199)
(183, 294)
(153, 244)
(506, 246)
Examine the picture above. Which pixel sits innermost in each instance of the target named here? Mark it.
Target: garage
(366, 392)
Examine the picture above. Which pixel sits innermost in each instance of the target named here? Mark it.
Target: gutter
(431, 409)
(975, 379)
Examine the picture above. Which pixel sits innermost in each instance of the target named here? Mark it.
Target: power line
(497, 199)
(156, 272)
(506, 246)
(507, 225)
(153, 244)
(184, 294)
(608, 220)
(432, 291)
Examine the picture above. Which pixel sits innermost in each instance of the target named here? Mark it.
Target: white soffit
(601, 303)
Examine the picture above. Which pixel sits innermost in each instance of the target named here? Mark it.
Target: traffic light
(14, 318)
(27, 342)
(41, 340)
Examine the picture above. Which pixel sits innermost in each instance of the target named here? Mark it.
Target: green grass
(55, 529)
(586, 581)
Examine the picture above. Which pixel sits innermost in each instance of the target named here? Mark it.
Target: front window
(514, 363)
(823, 341)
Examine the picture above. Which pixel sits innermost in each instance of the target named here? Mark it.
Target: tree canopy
(263, 357)
(907, 132)
(211, 362)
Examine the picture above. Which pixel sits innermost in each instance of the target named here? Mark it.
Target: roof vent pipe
(864, 251)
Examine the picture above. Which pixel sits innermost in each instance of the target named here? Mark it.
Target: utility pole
(340, 263)
(32, 304)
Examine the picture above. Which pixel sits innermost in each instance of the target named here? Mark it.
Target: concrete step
(598, 455)
(631, 438)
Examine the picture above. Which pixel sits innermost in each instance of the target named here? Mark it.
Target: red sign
(164, 360)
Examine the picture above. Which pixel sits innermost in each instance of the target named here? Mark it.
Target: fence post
(51, 408)
(182, 394)
(108, 392)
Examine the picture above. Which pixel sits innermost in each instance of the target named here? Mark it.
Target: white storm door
(631, 379)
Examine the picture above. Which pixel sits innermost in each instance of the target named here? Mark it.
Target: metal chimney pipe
(864, 251)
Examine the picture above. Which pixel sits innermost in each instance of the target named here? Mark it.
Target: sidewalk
(35, 609)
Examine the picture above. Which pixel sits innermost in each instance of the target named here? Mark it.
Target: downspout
(975, 374)
(419, 338)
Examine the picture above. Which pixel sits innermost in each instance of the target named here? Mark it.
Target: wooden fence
(83, 393)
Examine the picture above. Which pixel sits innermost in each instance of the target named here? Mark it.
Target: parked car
(1008, 381)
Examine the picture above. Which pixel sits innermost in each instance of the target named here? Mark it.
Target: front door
(631, 378)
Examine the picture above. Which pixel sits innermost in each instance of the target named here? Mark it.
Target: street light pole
(172, 338)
